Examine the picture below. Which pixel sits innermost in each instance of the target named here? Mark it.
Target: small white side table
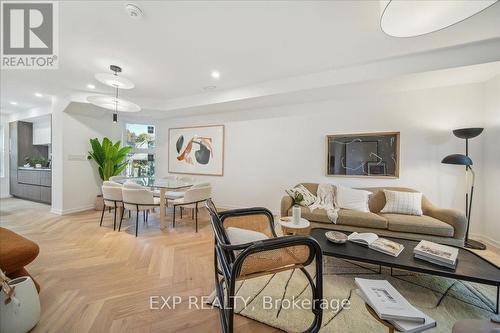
(290, 228)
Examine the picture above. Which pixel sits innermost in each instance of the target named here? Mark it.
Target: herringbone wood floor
(94, 279)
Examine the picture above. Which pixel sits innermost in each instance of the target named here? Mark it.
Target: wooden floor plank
(94, 279)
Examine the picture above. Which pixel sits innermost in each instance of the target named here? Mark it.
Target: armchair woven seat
(235, 262)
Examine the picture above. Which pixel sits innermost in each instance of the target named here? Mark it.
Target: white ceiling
(170, 53)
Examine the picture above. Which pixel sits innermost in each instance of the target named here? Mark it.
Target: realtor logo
(29, 35)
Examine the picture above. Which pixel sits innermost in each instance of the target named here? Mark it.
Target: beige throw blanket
(325, 199)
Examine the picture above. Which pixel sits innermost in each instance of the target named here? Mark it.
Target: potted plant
(111, 160)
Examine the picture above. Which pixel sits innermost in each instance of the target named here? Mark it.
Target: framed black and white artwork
(363, 155)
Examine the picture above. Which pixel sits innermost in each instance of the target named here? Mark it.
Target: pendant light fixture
(114, 102)
(410, 18)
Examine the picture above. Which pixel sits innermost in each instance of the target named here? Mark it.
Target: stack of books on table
(436, 253)
(391, 306)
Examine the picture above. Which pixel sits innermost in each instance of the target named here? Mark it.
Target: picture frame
(374, 155)
(196, 150)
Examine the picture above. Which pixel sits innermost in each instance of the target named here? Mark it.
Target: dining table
(163, 185)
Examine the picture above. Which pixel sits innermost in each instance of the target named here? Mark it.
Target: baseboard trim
(6, 196)
(72, 210)
(489, 242)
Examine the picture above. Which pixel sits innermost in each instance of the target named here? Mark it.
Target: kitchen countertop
(35, 169)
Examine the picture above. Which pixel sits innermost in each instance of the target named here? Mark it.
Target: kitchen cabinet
(42, 132)
(45, 194)
(28, 183)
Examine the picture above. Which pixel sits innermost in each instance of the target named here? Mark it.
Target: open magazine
(375, 243)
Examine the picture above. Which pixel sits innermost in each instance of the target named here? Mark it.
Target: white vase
(22, 313)
(296, 214)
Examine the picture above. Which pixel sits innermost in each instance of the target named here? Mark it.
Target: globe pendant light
(410, 18)
(114, 102)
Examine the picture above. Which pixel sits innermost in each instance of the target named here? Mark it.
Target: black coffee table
(470, 266)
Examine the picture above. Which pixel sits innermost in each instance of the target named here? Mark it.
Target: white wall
(491, 164)
(268, 150)
(80, 179)
(4, 179)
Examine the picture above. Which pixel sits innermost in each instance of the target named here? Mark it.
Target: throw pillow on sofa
(407, 203)
(307, 197)
(349, 198)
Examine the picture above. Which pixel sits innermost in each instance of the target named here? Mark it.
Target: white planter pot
(22, 313)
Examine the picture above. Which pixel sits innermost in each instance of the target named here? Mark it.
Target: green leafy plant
(36, 160)
(110, 158)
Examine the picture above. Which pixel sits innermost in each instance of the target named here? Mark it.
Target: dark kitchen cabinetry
(27, 183)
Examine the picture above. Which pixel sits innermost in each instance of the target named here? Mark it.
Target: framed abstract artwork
(363, 155)
(196, 150)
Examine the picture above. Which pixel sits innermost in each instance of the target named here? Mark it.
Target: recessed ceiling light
(209, 88)
(215, 74)
(38, 95)
(90, 86)
(13, 103)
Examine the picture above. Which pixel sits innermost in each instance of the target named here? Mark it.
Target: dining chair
(193, 198)
(269, 254)
(202, 184)
(170, 195)
(112, 197)
(118, 179)
(138, 198)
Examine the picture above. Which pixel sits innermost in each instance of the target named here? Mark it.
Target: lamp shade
(468, 133)
(409, 18)
(457, 159)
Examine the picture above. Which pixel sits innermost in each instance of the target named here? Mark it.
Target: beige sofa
(446, 226)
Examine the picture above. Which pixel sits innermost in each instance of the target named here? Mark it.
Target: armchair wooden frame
(237, 262)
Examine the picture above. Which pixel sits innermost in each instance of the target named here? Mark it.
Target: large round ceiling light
(112, 103)
(114, 81)
(410, 18)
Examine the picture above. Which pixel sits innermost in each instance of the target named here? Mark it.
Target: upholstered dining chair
(193, 198)
(202, 184)
(172, 195)
(138, 198)
(118, 179)
(268, 254)
(112, 197)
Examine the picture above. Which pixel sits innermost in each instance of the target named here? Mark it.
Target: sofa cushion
(354, 199)
(361, 219)
(397, 202)
(346, 217)
(317, 215)
(418, 224)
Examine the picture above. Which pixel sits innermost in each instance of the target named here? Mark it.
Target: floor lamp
(459, 159)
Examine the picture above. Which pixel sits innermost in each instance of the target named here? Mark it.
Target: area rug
(276, 300)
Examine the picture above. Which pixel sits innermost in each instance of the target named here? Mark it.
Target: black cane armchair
(268, 256)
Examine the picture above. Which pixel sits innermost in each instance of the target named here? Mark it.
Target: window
(141, 138)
